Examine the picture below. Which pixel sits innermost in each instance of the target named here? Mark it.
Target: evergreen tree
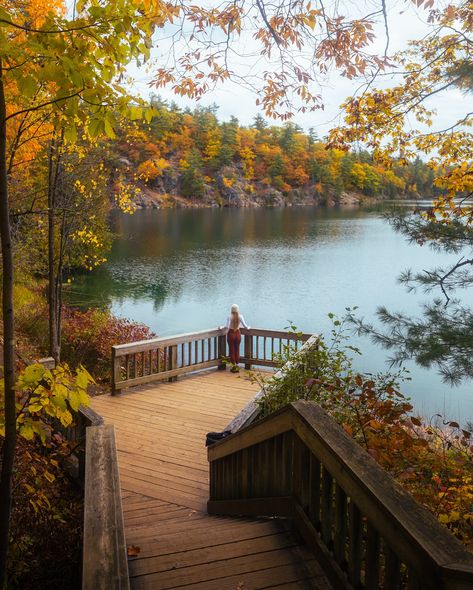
(287, 139)
(259, 123)
(192, 179)
(313, 137)
(442, 336)
(277, 168)
(229, 142)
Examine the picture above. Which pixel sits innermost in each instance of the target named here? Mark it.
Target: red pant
(234, 339)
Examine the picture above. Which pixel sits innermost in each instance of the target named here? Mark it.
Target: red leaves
(88, 336)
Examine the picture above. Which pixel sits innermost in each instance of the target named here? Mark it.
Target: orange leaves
(296, 40)
(399, 121)
(149, 170)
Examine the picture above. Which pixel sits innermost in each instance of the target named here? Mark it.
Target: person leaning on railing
(234, 322)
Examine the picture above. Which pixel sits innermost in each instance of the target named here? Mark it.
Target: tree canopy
(400, 121)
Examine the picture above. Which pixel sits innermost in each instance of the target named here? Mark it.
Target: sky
(406, 22)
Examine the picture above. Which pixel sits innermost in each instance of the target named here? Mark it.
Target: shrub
(46, 525)
(87, 338)
(31, 315)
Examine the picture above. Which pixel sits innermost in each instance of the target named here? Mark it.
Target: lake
(180, 271)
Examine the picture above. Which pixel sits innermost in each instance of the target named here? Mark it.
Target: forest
(191, 154)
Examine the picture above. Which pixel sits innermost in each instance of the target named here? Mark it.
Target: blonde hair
(234, 317)
(234, 320)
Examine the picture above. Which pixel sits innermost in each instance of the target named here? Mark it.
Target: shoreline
(150, 199)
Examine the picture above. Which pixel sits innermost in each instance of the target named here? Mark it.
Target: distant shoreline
(149, 199)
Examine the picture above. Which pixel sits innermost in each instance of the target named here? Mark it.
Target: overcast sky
(406, 22)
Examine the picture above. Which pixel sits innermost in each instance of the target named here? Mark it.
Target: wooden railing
(76, 434)
(105, 562)
(142, 362)
(365, 530)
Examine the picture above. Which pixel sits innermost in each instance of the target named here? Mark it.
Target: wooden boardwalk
(160, 433)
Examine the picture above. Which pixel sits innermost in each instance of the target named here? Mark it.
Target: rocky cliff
(230, 188)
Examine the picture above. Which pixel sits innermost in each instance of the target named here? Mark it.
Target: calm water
(180, 270)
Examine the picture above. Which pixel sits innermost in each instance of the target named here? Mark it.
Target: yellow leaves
(228, 182)
(32, 374)
(151, 169)
(43, 392)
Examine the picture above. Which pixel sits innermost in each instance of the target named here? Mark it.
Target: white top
(242, 322)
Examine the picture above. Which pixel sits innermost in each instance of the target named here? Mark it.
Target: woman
(234, 321)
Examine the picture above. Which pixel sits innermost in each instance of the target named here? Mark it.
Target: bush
(46, 525)
(87, 338)
(434, 462)
(31, 315)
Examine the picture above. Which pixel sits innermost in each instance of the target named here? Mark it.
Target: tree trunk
(52, 299)
(8, 448)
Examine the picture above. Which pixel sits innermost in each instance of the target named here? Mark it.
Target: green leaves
(96, 127)
(27, 86)
(41, 393)
(74, 68)
(32, 375)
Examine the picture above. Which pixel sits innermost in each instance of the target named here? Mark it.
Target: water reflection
(180, 271)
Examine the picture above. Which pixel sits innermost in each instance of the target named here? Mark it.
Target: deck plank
(160, 434)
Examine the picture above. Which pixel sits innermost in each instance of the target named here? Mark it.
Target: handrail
(366, 530)
(145, 361)
(105, 562)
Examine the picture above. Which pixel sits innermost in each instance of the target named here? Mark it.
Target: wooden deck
(160, 431)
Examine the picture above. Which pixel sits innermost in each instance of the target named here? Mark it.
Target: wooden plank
(392, 570)
(188, 539)
(275, 334)
(327, 507)
(341, 521)
(105, 565)
(143, 345)
(355, 546)
(249, 437)
(282, 576)
(204, 555)
(133, 382)
(252, 507)
(372, 567)
(324, 557)
(258, 362)
(314, 492)
(217, 569)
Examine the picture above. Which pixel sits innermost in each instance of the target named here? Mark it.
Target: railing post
(81, 430)
(48, 362)
(248, 347)
(222, 352)
(116, 369)
(172, 361)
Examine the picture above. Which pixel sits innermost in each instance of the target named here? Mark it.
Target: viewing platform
(164, 475)
(288, 501)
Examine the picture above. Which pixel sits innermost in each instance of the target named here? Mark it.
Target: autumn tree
(399, 121)
(57, 65)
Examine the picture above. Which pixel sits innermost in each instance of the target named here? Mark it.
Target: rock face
(230, 188)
